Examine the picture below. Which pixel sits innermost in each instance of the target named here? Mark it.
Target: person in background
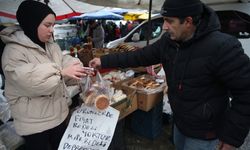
(129, 26)
(96, 32)
(204, 68)
(117, 32)
(36, 74)
(122, 29)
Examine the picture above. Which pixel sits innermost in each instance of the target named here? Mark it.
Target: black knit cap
(181, 8)
(29, 16)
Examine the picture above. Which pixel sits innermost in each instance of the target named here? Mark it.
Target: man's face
(45, 29)
(175, 28)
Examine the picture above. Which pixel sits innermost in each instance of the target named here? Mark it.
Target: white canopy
(144, 4)
(62, 8)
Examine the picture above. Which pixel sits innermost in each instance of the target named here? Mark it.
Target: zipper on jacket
(180, 84)
(174, 65)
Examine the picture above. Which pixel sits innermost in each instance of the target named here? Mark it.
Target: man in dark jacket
(203, 67)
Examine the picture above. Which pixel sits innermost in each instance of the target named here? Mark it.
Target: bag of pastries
(95, 92)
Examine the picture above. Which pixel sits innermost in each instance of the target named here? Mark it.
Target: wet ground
(126, 138)
(137, 142)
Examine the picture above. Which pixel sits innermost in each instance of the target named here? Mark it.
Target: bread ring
(101, 102)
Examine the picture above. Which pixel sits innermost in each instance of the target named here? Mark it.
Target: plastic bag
(95, 93)
(4, 108)
(9, 139)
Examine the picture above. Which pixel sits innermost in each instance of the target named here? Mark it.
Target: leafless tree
(139, 2)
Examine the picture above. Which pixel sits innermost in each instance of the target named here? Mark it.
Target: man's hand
(225, 146)
(76, 71)
(95, 63)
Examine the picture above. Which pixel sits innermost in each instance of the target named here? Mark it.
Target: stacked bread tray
(148, 91)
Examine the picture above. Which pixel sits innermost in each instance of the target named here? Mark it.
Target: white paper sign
(90, 129)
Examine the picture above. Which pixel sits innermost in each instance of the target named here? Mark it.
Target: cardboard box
(129, 105)
(126, 106)
(145, 100)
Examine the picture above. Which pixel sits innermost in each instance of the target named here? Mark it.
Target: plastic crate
(148, 124)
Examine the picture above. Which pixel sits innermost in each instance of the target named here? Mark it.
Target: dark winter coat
(201, 74)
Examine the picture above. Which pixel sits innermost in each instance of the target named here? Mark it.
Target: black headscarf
(29, 16)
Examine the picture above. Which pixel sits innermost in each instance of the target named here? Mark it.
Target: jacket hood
(15, 34)
(209, 22)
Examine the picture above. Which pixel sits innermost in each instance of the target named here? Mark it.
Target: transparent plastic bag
(95, 93)
(4, 108)
(9, 139)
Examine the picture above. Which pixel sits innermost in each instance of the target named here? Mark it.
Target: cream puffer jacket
(33, 86)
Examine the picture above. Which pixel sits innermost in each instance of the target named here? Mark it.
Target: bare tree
(139, 2)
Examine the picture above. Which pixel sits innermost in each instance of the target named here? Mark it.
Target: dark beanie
(181, 8)
(29, 16)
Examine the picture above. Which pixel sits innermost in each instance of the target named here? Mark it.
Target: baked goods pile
(96, 96)
(143, 83)
(117, 95)
(100, 101)
(114, 76)
(122, 48)
(95, 92)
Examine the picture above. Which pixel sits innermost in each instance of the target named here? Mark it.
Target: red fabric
(106, 70)
(13, 16)
(117, 32)
(7, 15)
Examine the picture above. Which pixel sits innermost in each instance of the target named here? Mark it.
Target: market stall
(142, 91)
(101, 14)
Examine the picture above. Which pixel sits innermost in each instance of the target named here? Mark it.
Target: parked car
(64, 31)
(64, 34)
(138, 36)
(234, 18)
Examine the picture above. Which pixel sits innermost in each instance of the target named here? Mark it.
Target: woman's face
(45, 29)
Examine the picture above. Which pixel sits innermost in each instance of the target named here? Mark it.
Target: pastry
(101, 102)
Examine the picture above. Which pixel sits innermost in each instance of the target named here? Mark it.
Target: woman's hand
(76, 71)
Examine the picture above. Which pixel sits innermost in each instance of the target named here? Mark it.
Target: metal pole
(149, 22)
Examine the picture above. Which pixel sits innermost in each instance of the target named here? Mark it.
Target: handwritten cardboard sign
(90, 129)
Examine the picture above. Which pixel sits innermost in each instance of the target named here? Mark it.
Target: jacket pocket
(202, 117)
(40, 108)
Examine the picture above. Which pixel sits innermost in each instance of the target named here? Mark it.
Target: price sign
(90, 129)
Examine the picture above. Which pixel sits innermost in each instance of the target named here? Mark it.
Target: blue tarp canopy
(100, 15)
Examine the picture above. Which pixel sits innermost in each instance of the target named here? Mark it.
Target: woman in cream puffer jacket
(36, 75)
(33, 85)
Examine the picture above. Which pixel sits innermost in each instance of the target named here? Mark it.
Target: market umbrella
(131, 4)
(102, 14)
(144, 16)
(133, 15)
(63, 8)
